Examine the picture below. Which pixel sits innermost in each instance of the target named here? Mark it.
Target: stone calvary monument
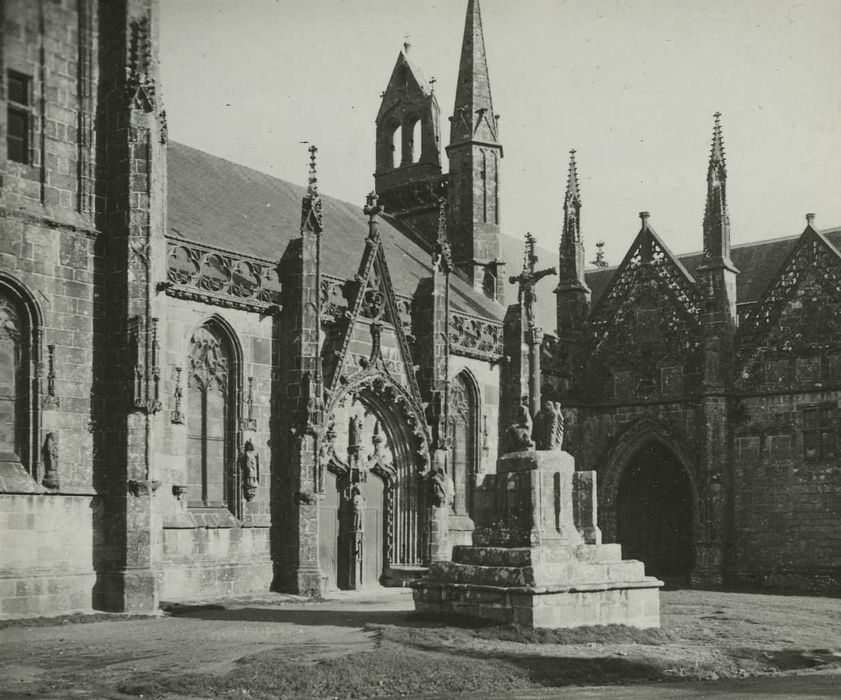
(537, 558)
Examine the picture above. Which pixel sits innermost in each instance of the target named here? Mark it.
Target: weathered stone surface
(546, 576)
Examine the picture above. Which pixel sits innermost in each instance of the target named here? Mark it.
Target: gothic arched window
(211, 420)
(19, 327)
(464, 434)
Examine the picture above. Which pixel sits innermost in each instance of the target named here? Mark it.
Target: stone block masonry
(530, 564)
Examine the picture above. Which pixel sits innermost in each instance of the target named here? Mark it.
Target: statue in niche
(549, 426)
(50, 456)
(250, 471)
(356, 538)
(519, 433)
(354, 432)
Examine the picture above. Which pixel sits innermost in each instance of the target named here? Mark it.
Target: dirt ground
(372, 645)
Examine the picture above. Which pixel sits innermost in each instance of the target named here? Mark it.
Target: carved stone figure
(250, 471)
(355, 427)
(527, 280)
(520, 432)
(549, 426)
(559, 426)
(50, 455)
(442, 488)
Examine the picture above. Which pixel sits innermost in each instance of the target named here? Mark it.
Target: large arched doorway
(369, 516)
(654, 513)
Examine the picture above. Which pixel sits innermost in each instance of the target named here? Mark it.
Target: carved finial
(810, 218)
(573, 191)
(442, 252)
(311, 215)
(372, 206)
(529, 256)
(406, 45)
(312, 187)
(717, 147)
(644, 216)
(600, 260)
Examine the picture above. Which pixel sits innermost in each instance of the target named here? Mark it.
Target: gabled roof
(212, 200)
(396, 91)
(757, 264)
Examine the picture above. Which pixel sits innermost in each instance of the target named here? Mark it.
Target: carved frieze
(202, 273)
(475, 337)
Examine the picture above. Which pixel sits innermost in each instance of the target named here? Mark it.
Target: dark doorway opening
(654, 514)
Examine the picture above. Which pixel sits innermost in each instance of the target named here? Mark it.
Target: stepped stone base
(538, 560)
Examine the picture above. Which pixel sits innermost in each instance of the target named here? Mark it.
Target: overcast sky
(632, 85)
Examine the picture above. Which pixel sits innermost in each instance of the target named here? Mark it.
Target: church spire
(474, 153)
(716, 217)
(571, 250)
(473, 115)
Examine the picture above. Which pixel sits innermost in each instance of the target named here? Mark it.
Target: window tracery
(211, 405)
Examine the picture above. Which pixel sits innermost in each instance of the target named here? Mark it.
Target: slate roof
(214, 201)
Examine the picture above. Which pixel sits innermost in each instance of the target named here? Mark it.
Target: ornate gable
(645, 330)
(793, 335)
(369, 343)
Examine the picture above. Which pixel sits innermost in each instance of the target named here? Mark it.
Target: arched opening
(655, 513)
(416, 141)
(357, 513)
(396, 146)
(464, 439)
(20, 324)
(212, 400)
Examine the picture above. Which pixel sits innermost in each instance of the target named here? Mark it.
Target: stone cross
(526, 281)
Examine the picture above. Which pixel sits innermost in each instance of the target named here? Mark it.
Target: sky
(631, 85)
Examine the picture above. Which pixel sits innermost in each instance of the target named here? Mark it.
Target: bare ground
(374, 646)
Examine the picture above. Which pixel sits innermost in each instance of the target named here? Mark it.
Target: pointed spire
(716, 217)
(573, 194)
(473, 115)
(717, 149)
(572, 204)
(311, 215)
(571, 249)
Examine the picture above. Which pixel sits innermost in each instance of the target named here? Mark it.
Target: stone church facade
(214, 382)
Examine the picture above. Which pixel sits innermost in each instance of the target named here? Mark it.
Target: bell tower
(408, 177)
(475, 153)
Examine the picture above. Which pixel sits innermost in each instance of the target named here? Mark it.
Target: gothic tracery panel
(793, 335)
(211, 398)
(464, 439)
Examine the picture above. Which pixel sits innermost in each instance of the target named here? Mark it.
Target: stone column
(534, 338)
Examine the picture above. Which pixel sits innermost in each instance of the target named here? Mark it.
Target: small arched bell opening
(415, 145)
(655, 513)
(396, 146)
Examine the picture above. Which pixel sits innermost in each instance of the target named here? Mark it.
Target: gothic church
(214, 382)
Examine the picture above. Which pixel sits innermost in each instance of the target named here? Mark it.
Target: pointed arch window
(211, 420)
(464, 436)
(19, 329)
